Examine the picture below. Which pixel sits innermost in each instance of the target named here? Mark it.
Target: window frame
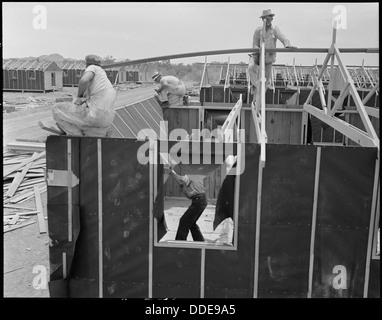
(153, 152)
(31, 74)
(14, 75)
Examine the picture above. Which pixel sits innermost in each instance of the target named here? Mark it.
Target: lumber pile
(23, 180)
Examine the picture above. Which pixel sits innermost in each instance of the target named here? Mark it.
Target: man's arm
(83, 85)
(256, 39)
(180, 179)
(84, 82)
(280, 36)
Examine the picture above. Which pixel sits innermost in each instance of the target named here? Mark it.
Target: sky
(138, 30)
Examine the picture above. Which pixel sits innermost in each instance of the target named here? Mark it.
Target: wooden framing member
(368, 138)
(371, 229)
(350, 131)
(331, 53)
(339, 100)
(70, 191)
(314, 222)
(39, 207)
(296, 76)
(318, 84)
(226, 82)
(202, 271)
(360, 107)
(256, 121)
(257, 234)
(376, 239)
(263, 139)
(17, 180)
(100, 219)
(374, 112)
(152, 187)
(233, 116)
(227, 130)
(204, 76)
(367, 75)
(370, 94)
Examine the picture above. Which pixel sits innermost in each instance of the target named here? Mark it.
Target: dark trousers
(188, 221)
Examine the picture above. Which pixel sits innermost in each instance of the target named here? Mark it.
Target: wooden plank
(24, 195)
(360, 107)
(374, 112)
(340, 100)
(42, 190)
(345, 128)
(40, 215)
(285, 128)
(14, 219)
(34, 157)
(295, 128)
(42, 184)
(19, 226)
(17, 180)
(15, 160)
(256, 124)
(30, 146)
(15, 207)
(27, 213)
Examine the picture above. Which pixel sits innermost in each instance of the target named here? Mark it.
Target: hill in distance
(52, 57)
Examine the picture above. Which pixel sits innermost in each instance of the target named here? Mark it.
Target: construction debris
(23, 179)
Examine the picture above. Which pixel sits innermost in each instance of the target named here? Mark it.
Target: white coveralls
(95, 116)
(270, 39)
(172, 90)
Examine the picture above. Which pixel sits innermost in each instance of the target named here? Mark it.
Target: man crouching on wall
(92, 112)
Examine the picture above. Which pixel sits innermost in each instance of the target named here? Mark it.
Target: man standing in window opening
(192, 186)
(271, 35)
(92, 112)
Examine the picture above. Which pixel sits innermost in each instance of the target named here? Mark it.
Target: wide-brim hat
(156, 75)
(93, 59)
(267, 13)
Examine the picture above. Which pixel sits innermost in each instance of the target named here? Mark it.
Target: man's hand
(79, 101)
(291, 47)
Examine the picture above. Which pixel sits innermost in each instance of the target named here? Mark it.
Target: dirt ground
(26, 251)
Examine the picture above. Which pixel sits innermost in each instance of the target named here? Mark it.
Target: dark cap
(156, 75)
(93, 59)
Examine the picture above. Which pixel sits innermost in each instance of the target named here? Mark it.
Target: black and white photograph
(210, 153)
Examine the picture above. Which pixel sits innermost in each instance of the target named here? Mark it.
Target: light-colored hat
(266, 13)
(156, 75)
(93, 59)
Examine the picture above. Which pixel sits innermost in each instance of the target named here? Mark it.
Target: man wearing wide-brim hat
(92, 112)
(171, 90)
(271, 34)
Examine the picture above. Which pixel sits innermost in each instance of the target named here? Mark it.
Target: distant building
(72, 72)
(31, 75)
(133, 75)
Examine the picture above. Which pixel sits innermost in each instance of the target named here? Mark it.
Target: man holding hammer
(193, 188)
